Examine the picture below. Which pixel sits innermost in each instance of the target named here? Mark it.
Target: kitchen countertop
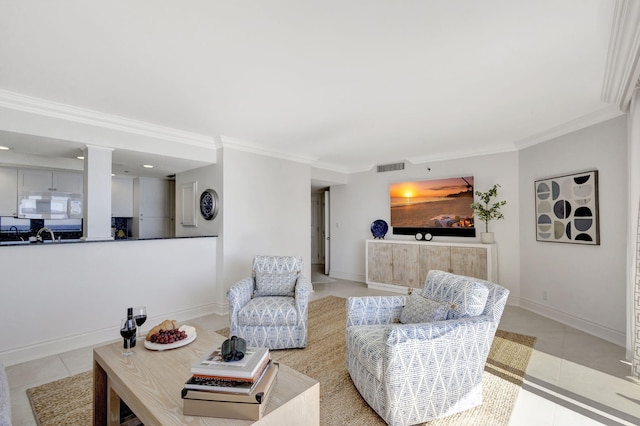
(80, 240)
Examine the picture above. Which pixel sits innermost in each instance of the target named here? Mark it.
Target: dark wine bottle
(132, 339)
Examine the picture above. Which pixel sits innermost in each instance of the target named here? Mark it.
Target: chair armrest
(238, 295)
(371, 310)
(303, 288)
(454, 330)
(301, 296)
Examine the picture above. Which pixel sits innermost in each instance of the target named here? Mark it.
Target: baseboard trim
(346, 276)
(581, 324)
(98, 337)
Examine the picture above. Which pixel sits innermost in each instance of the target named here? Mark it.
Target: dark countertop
(80, 240)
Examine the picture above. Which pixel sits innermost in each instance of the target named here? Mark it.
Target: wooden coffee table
(150, 382)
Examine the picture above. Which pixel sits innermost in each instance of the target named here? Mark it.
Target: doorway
(320, 237)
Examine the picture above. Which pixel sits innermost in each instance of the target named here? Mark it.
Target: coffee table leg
(114, 408)
(99, 395)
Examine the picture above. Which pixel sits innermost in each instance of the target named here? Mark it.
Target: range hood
(49, 205)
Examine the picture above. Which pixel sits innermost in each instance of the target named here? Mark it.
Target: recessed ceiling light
(147, 166)
(4, 148)
(80, 157)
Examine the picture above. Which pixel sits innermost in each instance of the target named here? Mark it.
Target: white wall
(266, 211)
(365, 198)
(585, 285)
(59, 297)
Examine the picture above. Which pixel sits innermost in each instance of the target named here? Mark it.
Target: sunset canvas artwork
(440, 203)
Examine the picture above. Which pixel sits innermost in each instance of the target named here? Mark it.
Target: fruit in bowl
(166, 332)
(168, 336)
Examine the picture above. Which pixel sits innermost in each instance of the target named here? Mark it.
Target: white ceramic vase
(487, 238)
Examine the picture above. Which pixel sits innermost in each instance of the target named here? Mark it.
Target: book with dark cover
(248, 368)
(258, 395)
(212, 384)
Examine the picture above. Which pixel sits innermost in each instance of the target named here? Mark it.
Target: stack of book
(232, 389)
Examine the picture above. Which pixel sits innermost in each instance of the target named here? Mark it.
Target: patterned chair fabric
(5, 403)
(414, 373)
(277, 320)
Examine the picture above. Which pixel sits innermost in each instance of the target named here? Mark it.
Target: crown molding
(338, 169)
(46, 108)
(604, 114)
(455, 155)
(241, 145)
(622, 68)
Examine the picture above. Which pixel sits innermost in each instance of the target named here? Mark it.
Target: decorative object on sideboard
(487, 211)
(379, 228)
(567, 209)
(426, 236)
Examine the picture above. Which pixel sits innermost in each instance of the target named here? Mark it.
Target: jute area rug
(69, 401)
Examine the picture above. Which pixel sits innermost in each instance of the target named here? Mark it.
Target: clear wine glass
(140, 316)
(127, 330)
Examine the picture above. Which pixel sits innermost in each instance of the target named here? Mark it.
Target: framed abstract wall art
(567, 209)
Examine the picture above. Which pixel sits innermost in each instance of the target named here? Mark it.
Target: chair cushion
(466, 296)
(269, 311)
(366, 344)
(421, 309)
(275, 283)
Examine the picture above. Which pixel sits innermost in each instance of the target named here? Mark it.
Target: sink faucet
(39, 237)
(15, 228)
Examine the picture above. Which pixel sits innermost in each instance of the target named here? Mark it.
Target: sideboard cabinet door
(434, 257)
(406, 265)
(380, 263)
(469, 261)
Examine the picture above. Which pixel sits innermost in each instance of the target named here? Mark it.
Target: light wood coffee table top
(150, 383)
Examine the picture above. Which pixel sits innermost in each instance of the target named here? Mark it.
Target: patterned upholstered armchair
(269, 309)
(420, 357)
(5, 403)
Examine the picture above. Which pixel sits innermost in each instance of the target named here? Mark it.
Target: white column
(97, 193)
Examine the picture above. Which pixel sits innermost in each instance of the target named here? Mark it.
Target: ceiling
(342, 85)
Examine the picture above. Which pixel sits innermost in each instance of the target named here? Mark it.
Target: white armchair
(414, 372)
(269, 309)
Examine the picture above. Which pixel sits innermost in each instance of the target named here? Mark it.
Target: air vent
(390, 167)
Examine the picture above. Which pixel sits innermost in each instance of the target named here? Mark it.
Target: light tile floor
(572, 379)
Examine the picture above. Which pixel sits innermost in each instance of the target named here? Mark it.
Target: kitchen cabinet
(152, 208)
(398, 265)
(8, 191)
(121, 196)
(37, 180)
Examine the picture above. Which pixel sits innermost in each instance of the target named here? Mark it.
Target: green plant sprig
(485, 210)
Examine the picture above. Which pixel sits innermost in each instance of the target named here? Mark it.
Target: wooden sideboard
(399, 265)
